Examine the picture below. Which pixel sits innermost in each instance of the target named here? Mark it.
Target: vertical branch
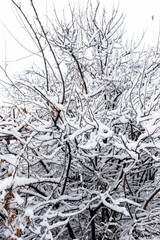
(38, 41)
(81, 73)
(68, 168)
(71, 233)
(124, 189)
(50, 47)
(93, 228)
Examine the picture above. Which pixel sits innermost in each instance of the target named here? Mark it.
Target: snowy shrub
(79, 146)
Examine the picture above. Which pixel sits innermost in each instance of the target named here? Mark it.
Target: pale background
(141, 15)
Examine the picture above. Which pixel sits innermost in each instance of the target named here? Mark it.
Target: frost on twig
(79, 143)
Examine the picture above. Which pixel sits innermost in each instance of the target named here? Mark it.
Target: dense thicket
(80, 143)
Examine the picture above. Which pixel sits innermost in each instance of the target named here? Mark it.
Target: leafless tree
(80, 143)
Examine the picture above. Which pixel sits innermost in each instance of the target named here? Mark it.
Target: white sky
(138, 18)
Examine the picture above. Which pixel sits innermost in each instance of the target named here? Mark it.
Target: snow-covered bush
(79, 146)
